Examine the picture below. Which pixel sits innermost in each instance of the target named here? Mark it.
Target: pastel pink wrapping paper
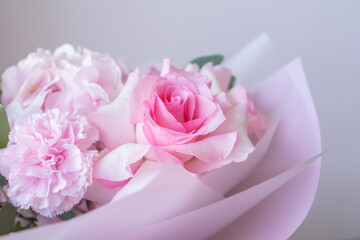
(267, 196)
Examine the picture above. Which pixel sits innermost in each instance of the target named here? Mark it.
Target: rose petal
(113, 184)
(195, 165)
(113, 120)
(139, 95)
(160, 136)
(237, 95)
(213, 122)
(219, 75)
(160, 155)
(163, 117)
(114, 166)
(210, 149)
(236, 118)
(97, 192)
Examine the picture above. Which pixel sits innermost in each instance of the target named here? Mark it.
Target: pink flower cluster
(78, 81)
(61, 105)
(48, 98)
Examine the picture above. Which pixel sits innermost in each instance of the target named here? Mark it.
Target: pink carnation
(48, 162)
(71, 80)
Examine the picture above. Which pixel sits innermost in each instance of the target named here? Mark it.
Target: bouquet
(93, 150)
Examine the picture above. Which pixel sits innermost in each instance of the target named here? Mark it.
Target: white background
(326, 34)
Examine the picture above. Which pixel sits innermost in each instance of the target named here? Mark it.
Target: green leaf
(67, 215)
(4, 128)
(18, 227)
(3, 181)
(7, 218)
(215, 59)
(0, 88)
(31, 220)
(232, 82)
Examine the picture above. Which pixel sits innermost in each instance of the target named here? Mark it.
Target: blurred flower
(72, 80)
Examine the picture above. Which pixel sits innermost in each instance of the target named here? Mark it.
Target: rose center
(176, 99)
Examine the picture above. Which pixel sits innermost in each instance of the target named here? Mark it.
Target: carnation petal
(72, 159)
(59, 184)
(42, 188)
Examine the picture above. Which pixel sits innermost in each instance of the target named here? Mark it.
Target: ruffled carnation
(48, 162)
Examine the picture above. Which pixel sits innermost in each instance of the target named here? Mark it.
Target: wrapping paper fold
(265, 197)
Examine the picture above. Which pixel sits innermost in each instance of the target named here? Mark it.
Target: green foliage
(30, 220)
(67, 215)
(8, 212)
(231, 83)
(0, 88)
(4, 128)
(215, 59)
(7, 218)
(17, 227)
(3, 181)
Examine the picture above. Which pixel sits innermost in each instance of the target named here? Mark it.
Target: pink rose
(177, 114)
(72, 80)
(172, 115)
(221, 76)
(48, 162)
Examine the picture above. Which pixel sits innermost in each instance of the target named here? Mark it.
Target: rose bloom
(185, 122)
(187, 117)
(48, 162)
(72, 80)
